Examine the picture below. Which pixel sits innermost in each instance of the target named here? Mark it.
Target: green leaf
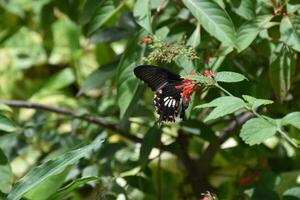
(5, 173)
(149, 141)
(257, 130)
(127, 82)
(293, 119)
(224, 106)
(106, 9)
(195, 38)
(249, 31)
(214, 19)
(255, 103)
(229, 77)
(96, 79)
(50, 168)
(6, 124)
(244, 8)
(282, 67)
(49, 186)
(72, 186)
(201, 79)
(142, 14)
(292, 194)
(140, 183)
(290, 31)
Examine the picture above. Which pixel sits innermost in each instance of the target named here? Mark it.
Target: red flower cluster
(188, 87)
(145, 40)
(208, 73)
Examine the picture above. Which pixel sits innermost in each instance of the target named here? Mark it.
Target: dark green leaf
(72, 186)
(282, 66)
(96, 79)
(214, 19)
(140, 183)
(5, 173)
(127, 82)
(50, 168)
(149, 141)
(257, 130)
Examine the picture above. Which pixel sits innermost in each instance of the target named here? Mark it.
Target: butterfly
(167, 98)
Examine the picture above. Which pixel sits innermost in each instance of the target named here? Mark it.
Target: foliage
(75, 123)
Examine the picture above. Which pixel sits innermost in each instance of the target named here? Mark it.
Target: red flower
(187, 87)
(208, 73)
(192, 73)
(249, 179)
(145, 40)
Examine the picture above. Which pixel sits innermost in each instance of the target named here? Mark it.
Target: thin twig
(64, 111)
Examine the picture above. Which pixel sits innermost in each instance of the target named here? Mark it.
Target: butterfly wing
(167, 98)
(155, 77)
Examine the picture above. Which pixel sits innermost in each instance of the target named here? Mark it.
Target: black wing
(155, 77)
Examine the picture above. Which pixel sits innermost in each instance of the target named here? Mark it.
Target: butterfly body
(167, 98)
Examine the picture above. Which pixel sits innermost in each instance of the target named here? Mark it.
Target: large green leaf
(244, 8)
(195, 38)
(142, 14)
(229, 77)
(98, 77)
(72, 186)
(49, 169)
(224, 106)
(249, 31)
(292, 194)
(5, 173)
(214, 19)
(105, 10)
(282, 66)
(127, 82)
(293, 119)
(149, 141)
(6, 124)
(257, 130)
(290, 31)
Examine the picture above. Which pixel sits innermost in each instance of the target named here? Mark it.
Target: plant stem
(223, 89)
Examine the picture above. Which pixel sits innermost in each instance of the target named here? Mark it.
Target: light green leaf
(290, 31)
(224, 106)
(49, 186)
(106, 9)
(292, 194)
(244, 8)
(214, 19)
(142, 14)
(98, 77)
(72, 186)
(293, 119)
(249, 31)
(5, 173)
(127, 82)
(282, 67)
(50, 168)
(229, 77)
(257, 130)
(149, 141)
(6, 124)
(5, 108)
(255, 103)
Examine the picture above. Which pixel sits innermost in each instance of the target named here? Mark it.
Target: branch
(64, 111)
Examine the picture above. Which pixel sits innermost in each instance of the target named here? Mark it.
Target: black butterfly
(167, 98)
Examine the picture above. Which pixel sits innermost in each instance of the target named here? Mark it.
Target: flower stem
(224, 90)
